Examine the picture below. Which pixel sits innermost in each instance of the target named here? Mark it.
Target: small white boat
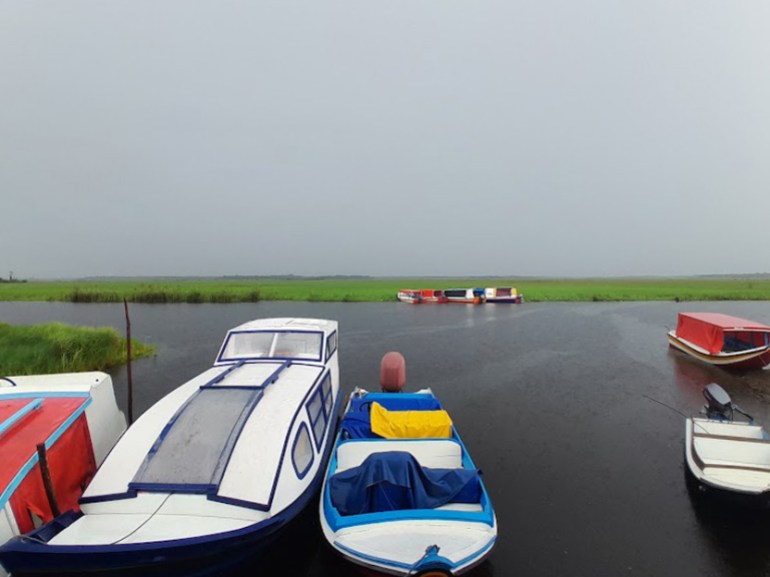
(213, 470)
(410, 296)
(76, 417)
(726, 457)
(401, 494)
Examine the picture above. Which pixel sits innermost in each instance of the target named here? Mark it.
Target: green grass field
(382, 289)
(60, 348)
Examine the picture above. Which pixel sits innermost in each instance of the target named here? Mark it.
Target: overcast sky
(407, 137)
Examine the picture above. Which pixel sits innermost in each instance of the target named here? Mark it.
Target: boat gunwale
(725, 357)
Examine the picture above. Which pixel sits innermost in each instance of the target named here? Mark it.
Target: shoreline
(335, 289)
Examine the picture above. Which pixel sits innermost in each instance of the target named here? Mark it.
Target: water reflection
(735, 532)
(748, 388)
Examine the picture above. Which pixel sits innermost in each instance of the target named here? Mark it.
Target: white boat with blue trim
(70, 421)
(213, 470)
(401, 494)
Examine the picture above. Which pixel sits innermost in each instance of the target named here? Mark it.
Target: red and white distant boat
(433, 296)
(724, 340)
(503, 295)
(410, 296)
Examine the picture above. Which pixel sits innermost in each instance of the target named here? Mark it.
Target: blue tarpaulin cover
(394, 480)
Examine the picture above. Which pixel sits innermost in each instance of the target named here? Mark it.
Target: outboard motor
(392, 372)
(719, 405)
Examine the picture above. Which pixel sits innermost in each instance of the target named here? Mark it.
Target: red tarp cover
(707, 329)
(71, 459)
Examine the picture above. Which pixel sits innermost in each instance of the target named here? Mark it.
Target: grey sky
(413, 137)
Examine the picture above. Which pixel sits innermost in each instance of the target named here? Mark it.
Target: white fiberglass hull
(728, 456)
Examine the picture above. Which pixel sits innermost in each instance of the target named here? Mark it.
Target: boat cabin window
(735, 341)
(302, 452)
(272, 344)
(331, 345)
(319, 409)
(326, 390)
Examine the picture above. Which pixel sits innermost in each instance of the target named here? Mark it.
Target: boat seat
(435, 454)
(734, 453)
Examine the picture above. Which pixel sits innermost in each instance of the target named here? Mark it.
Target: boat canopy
(707, 330)
(61, 423)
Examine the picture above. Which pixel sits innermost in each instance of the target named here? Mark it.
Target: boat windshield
(272, 345)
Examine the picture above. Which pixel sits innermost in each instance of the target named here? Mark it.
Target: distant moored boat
(724, 340)
(410, 296)
(465, 295)
(503, 295)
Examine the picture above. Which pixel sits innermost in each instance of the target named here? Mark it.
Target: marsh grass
(336, 289)
(58, 348)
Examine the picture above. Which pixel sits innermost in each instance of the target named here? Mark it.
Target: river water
(570, 410)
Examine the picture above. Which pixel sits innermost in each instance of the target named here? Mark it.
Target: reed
(343, 289)
(60, 348)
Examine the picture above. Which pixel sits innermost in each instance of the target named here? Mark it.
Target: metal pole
(128, 366)
(42, 458)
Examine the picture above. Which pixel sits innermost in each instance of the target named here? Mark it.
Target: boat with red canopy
(55, 430)
(721, 339)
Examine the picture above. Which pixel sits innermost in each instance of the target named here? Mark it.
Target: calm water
(553, 401)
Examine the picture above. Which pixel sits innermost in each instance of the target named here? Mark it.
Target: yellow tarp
(410, 424)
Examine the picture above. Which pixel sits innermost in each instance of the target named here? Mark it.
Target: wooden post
(128, 366)
(42, 458)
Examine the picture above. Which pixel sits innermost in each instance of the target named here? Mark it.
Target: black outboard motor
(720, 406)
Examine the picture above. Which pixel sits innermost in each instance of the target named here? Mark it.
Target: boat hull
(702, 489)
(754, 359)
(728, 461)
(205, 555)
(398, 561)
(505, 300)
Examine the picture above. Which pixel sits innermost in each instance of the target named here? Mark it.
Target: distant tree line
(11, 279)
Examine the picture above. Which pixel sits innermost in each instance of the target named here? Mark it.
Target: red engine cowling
(392, 372)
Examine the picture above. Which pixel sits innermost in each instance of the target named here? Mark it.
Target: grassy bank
(59, 348)
(381, 289)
